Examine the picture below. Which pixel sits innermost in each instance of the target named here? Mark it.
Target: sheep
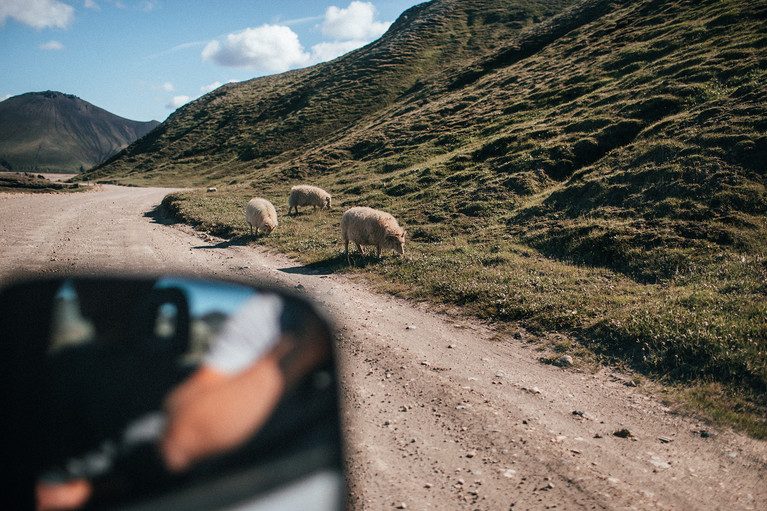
(368, 226)
(212, 189)
(305, 195)
(260, 213)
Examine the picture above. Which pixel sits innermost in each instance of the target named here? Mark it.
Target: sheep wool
(368, 226)
(260, 213)
(306, 195)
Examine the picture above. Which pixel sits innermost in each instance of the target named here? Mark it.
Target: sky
(142, 59)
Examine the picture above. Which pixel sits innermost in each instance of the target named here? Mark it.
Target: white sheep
(305, 195)
(260, 213)
(368, 226)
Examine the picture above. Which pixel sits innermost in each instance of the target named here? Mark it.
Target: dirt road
(440, 413)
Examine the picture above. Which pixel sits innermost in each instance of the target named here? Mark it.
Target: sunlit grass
(698, 328)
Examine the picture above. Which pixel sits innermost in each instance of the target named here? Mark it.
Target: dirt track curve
(440, 413)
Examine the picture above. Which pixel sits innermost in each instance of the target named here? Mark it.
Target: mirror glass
(169, 393)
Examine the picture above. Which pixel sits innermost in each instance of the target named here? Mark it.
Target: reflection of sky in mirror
(67, 291)
(206, 296)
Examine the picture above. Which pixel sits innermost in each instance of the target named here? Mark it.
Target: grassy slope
(268, 124)
(602, 175)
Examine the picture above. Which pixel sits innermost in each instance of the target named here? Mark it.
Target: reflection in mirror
(170, 393)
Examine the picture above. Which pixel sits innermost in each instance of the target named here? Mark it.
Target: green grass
(700, 327)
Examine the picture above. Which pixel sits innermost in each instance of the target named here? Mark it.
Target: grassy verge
(31, 183)
(702, 329)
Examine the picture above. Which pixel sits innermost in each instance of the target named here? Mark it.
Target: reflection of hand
(73, 485)
(61, 496)
(213, 412)
(201, 380)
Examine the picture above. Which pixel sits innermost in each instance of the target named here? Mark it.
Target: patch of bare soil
(439, 412)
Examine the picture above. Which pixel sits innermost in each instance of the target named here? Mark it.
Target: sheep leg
(378, 251)
(348, 261)
(362, 250)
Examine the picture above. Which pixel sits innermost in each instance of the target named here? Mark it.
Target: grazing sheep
(260, 213)
(368, 226)
(305, 195)
(212, 189)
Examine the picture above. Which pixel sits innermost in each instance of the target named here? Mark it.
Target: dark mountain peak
(52, 94)
(54, 131)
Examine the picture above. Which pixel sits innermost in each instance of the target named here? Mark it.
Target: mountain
(593, 167)
(451, 73)
(629, 122)
(273, 119)
(55, 132)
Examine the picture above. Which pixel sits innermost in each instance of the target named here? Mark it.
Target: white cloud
(356, 22)
(276, 48)
(37, 13)
(163, 87)
(52, 45)
(210, 87)
(148, 6)
(300, 21)
(177, 101)
(328, 51)
(177, 48)
(213, 86)
(273, 48)
(91, 4)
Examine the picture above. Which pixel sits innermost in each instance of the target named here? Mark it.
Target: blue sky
(142, 59)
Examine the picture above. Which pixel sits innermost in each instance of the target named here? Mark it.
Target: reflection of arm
(219, 413)
(68, 495)
(248, 335)
(233, 392)
(260, 354)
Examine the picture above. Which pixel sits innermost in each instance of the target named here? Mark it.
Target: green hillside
(594, 169)
(267, 125)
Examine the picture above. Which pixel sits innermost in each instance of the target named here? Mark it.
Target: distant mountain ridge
(56, 132)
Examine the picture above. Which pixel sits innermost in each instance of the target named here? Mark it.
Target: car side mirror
(144, 393)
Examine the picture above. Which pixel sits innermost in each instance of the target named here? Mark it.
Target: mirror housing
(127, 383)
